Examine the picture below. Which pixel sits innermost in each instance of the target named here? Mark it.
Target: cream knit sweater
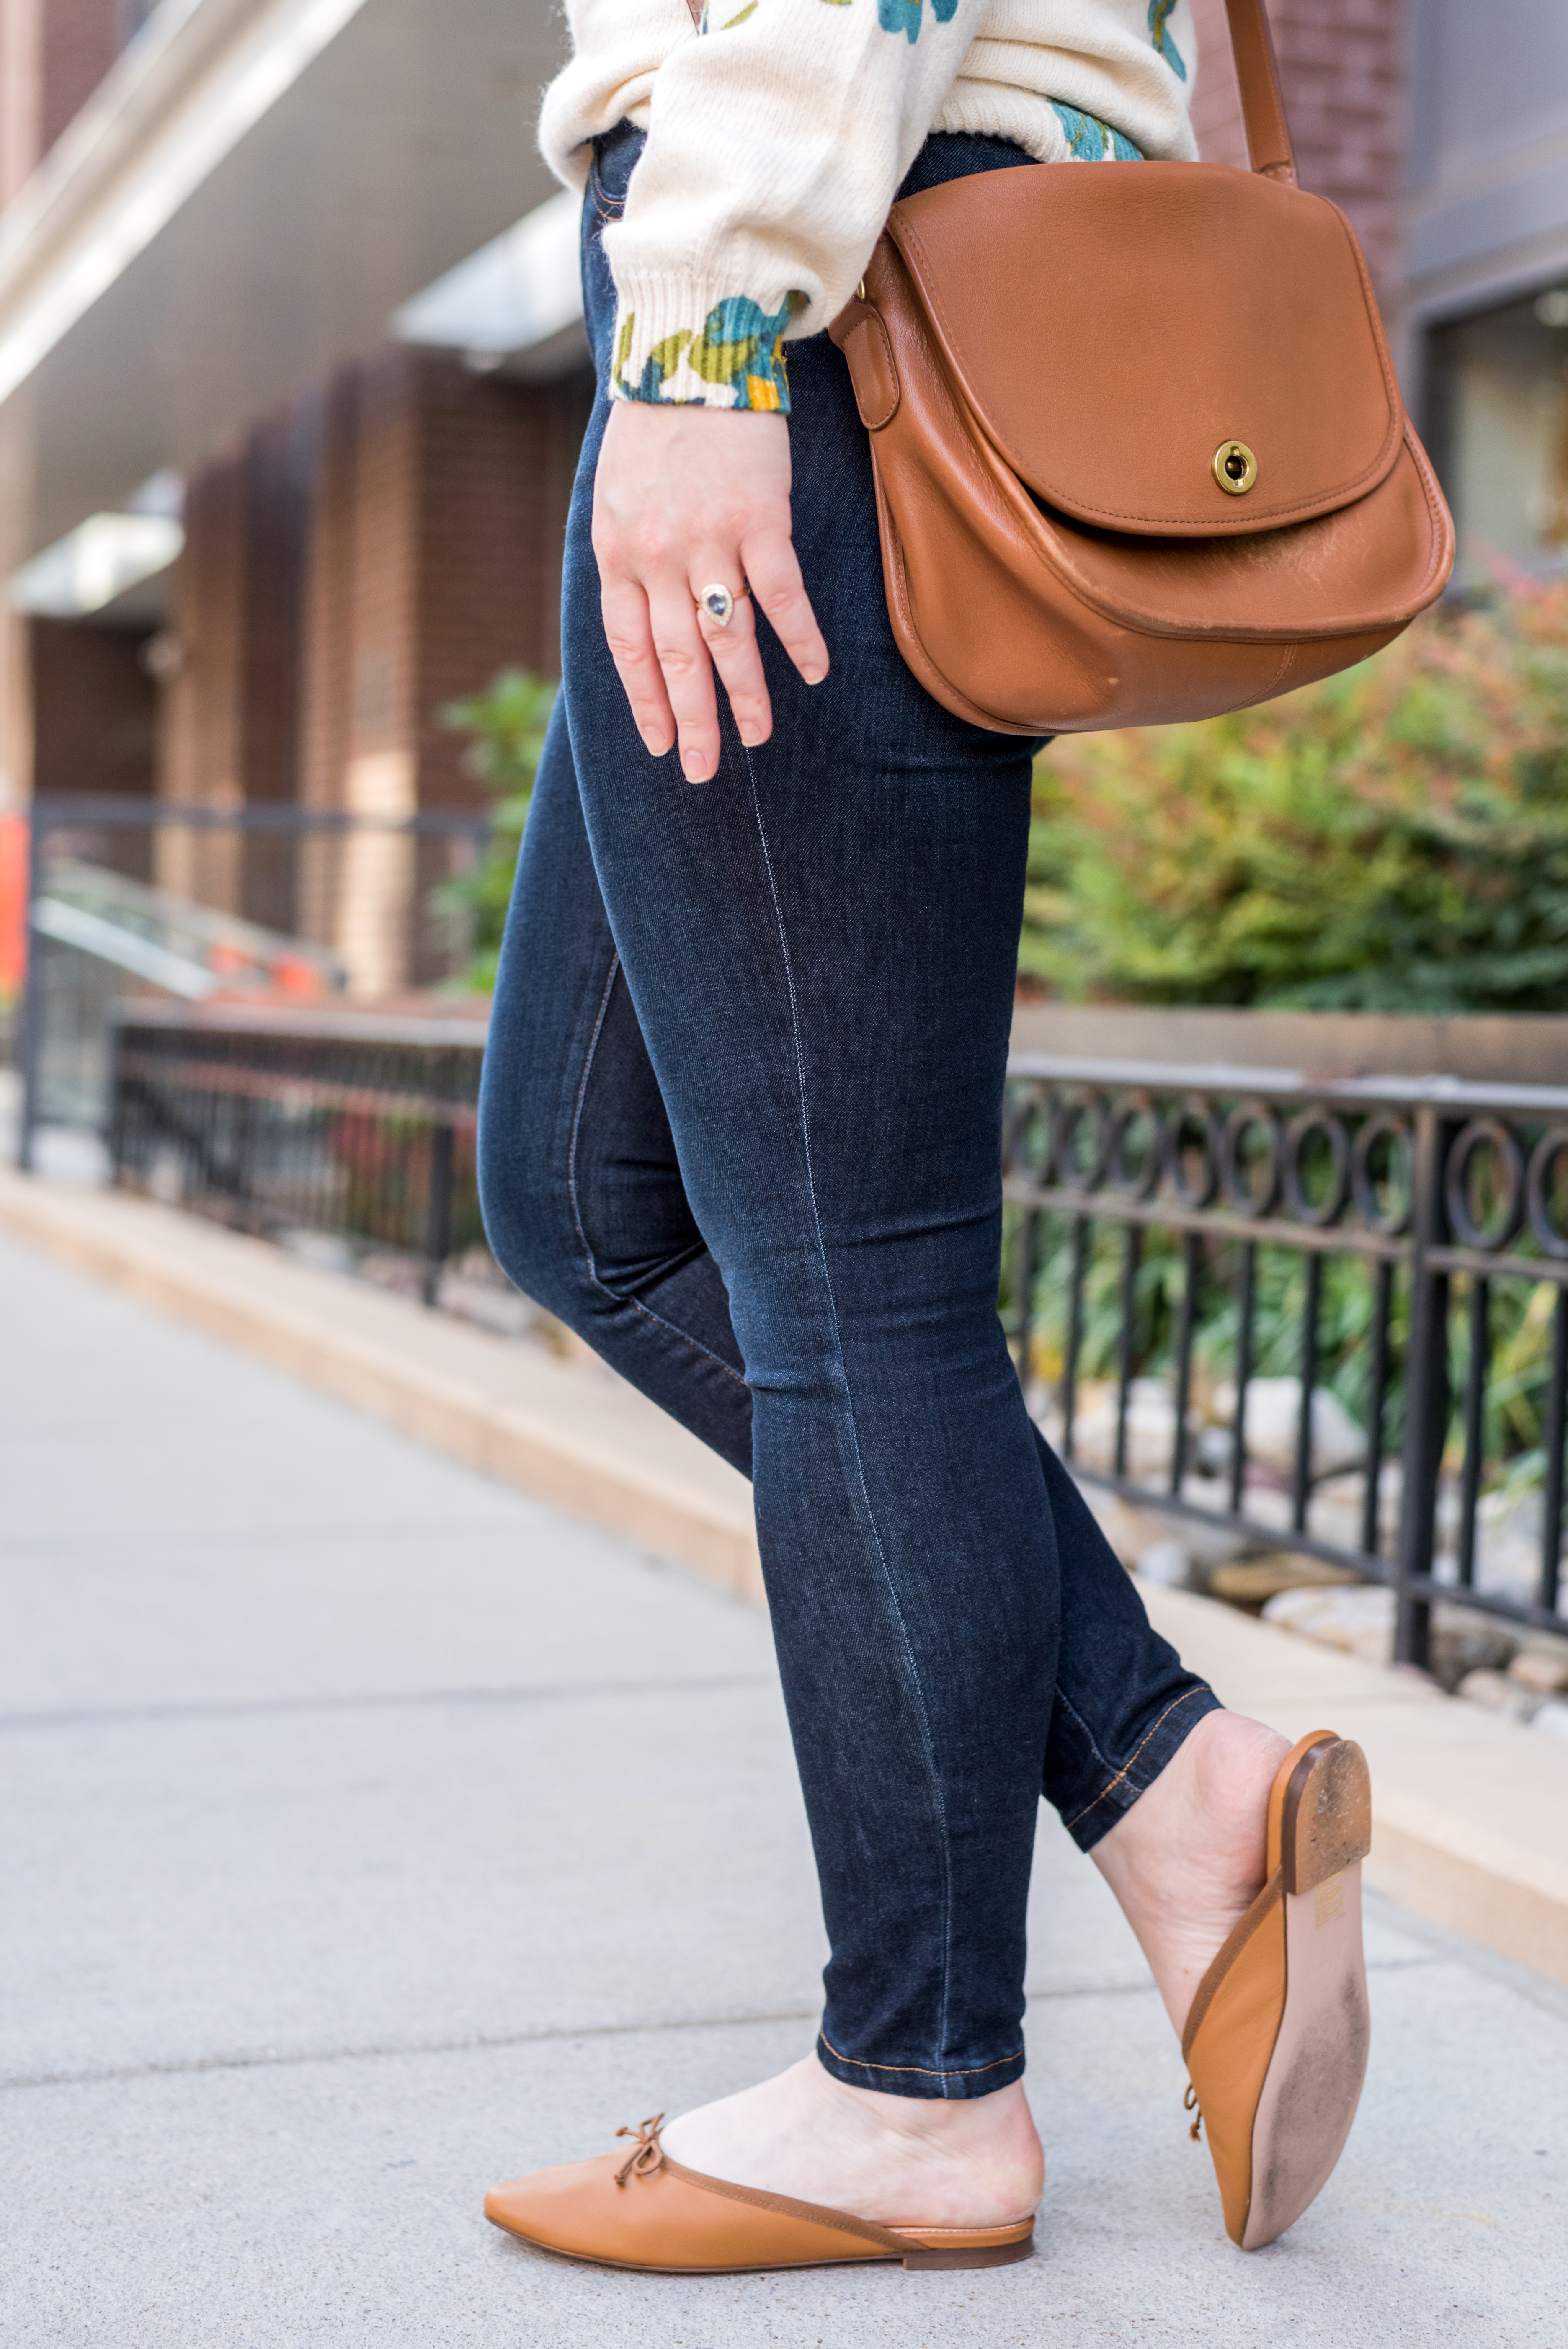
(778, 136)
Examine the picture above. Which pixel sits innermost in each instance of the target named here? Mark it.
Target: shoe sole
(993, 2255)
(1313, 2082)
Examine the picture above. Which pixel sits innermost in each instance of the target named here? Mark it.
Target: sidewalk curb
(1472, 1811)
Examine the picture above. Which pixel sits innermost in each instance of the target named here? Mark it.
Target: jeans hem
(921, 2079)
(1116, 1798)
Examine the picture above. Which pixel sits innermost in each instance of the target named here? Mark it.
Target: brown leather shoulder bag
(1140, 450)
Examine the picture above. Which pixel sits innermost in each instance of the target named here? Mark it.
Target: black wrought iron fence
(286, 1123)
(1388, 1258)
(1327, 1319)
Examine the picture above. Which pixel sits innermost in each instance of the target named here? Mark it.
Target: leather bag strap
(1269, 148)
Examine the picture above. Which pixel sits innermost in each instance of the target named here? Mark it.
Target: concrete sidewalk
(1471, 1809)
(370, 1832)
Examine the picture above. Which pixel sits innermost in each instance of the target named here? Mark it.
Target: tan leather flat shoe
(1276, 2042)
(648, 2211)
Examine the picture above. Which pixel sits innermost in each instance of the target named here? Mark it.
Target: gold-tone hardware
(860, 291)
(1235, 468)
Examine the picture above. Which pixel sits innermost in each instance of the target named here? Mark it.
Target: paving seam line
(263, 1708)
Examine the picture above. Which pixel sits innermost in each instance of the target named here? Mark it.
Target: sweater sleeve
(776, 143)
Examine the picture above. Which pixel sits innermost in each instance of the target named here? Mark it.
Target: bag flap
(1115, 329)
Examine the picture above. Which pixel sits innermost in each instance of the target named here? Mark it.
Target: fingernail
(813, 676)
(696, 767)
(751, 734)
(654, 739)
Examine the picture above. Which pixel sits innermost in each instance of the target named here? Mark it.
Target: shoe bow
(648, 2155)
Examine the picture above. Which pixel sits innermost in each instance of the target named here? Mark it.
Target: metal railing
(1395, 1234)
(283, 1124)
(1388, 1259)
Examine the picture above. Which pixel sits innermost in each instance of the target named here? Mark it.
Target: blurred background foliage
(506, 725)
(1393, 839)
(1520, 1318)
(1343, 1324)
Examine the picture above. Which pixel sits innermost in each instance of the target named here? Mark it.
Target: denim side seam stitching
(684, 1336)
(1104, 1760)
(925, 2070)
(938, 1805)
(1185, 1698)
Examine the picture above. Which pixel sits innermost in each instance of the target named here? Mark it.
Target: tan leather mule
(648, 2211)
(1276, 2042)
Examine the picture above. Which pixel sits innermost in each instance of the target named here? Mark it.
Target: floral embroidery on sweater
(1159, 15)
(893, 15)
(740, 351)
(904, 16)
(1090, 141)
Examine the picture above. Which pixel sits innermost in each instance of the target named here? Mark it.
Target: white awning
(251, 194)
(519, 296)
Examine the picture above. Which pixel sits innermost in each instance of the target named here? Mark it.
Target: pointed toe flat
(1276, 2042)
(648, 2211)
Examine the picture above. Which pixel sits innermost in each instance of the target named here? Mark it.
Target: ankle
(898, 2160)
(1208, 1806)
(1187, 1860)
(957, 2128)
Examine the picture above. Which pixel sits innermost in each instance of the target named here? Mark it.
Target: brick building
(258, 260)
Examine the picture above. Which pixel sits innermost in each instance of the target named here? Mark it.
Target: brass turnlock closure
(1235, 468)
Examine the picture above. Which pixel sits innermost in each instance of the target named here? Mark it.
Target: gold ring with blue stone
(718, 603)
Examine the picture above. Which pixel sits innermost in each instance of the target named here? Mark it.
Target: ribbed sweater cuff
(694, 346)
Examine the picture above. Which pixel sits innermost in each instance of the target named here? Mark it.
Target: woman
(741, 1130)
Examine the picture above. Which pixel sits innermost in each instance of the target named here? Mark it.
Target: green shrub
(507, 724)
(1393, 839)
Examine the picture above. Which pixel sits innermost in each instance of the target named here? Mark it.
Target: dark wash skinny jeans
(740, 1128)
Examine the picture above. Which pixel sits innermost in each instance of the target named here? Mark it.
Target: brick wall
(359, 659)
(434, 558)
(280, 464)
(229, 730)
(95, 709)
(434, 562)
(1341, 62)
(199, 748)
(326, 640)
(53, 55)
(21, 78)
(199, 741)
(497, 465)
(94, 713)
(81, 41)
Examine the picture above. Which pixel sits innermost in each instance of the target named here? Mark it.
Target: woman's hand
(687, 498)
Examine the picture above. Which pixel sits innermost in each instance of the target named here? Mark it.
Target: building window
(1498, 409)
